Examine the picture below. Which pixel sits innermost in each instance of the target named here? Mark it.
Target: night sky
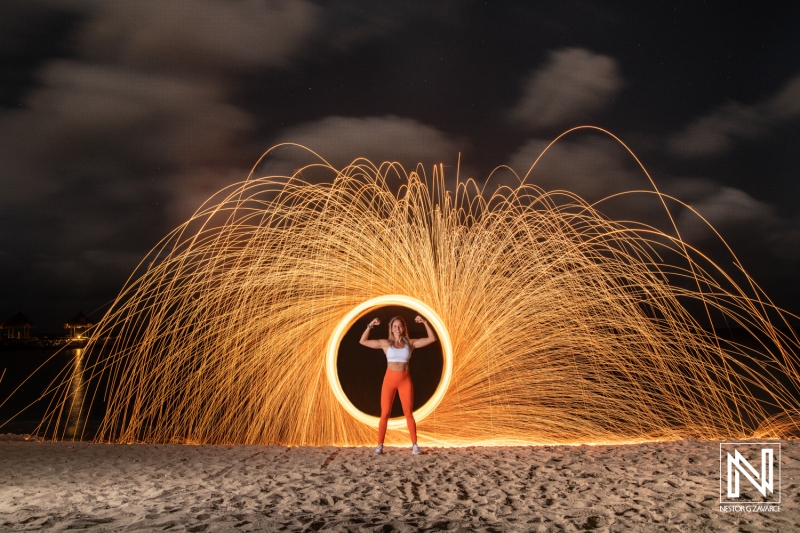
(117, 119)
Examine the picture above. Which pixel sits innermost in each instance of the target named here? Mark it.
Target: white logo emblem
(738, 468)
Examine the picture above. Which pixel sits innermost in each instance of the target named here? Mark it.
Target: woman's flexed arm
(365, 340)
(430, 339)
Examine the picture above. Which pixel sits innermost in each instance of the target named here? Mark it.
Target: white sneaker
(378, 450)
(415, 449)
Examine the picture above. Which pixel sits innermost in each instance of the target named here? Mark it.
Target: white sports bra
(398, 355)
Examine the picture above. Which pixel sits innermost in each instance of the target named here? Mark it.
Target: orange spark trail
(565, 326)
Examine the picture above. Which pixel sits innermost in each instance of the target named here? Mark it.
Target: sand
(645, 487)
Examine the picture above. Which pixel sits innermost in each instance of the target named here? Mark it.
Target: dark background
(117, 119)
(361, 369)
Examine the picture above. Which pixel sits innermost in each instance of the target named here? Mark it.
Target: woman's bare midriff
(399, 367)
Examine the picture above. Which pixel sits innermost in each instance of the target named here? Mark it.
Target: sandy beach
(672, 486)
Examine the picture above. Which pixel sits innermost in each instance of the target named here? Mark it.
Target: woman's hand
(375, 322)
(420, 320)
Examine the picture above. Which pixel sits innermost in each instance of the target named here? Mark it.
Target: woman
(398, 348)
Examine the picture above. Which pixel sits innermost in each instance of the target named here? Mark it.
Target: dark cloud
(125, 114)
(188, 189)
(219, 37)
(728, 210)
(596, 167)
(599, 170)
(592, 166)
(717, 132)
(571, 87)
(340, 140)
(352, 23)
(111, 137)
(198, 35)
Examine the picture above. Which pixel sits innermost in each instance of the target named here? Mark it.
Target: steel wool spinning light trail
(562, 326)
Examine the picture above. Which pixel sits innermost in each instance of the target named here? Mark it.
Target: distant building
(78, 325)
(18, 327)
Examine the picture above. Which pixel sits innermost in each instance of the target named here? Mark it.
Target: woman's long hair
(404, 337)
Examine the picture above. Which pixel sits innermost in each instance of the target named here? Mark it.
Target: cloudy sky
(118, 118)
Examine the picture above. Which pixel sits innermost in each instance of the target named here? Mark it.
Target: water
(28, 386)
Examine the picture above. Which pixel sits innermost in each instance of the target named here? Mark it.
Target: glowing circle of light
(347, 322)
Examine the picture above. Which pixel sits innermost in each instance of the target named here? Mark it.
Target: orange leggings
(397, 381)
